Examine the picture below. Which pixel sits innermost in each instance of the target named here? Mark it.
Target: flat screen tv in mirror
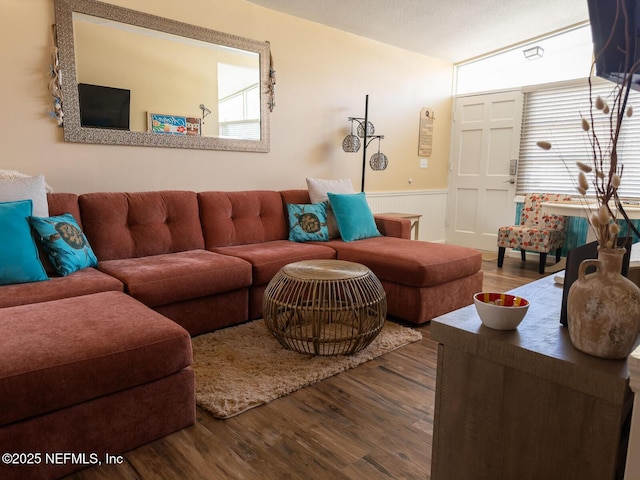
(615, 29)
(104, 107)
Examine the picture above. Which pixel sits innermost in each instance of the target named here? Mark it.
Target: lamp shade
(370, 129)
(378, 161)
(351, 143)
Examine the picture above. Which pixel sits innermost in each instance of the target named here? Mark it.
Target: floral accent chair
(537, 232)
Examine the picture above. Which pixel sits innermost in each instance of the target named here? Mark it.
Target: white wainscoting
(431, 204)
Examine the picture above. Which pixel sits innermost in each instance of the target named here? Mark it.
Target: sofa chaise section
(153, 243)
(251, 225)
(421, 279)
(99, 373)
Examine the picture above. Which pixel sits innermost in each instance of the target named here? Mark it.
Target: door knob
(511, 181)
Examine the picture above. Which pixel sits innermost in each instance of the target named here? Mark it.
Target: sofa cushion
(318, 192)
(241, 218)
(19, 260)
(57, 354)
(82, 282)
(163, 279)
(419, 305)
(308, 222)
(354, 217)
(269, 257)
(66, 246)
(13, 174)
(26, 188)
(60, 203)
(319, 187)
(128, 225)
(393, 226)
(410, 262)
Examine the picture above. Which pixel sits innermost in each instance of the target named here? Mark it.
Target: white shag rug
(242, 367)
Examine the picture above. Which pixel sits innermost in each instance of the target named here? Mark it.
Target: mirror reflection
(214, 93)
(137, 79)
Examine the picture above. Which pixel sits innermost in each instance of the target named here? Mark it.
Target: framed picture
(164, 124)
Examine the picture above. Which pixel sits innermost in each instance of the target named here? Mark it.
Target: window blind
(248, 130)
(554, 114)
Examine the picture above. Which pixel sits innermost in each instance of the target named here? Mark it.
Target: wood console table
(525, 404)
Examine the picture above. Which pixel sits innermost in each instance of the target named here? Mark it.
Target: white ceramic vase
(603, 308)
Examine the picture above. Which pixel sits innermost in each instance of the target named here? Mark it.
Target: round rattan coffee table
(325, 307)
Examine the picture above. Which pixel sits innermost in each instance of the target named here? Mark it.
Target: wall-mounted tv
(104, 107)
(616, 40)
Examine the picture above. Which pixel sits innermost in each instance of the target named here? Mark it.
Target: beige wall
(322, 75)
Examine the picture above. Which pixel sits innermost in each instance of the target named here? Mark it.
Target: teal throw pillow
(308, 222)
(19, 261)
(353, 215)
(64, 242)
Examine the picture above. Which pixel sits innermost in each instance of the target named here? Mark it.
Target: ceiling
(452, 30)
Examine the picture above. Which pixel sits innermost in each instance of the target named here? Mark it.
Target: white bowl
(501, 311)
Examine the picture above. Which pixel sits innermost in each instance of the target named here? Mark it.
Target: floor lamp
(366, 131)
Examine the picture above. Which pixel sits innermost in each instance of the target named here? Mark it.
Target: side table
(325, 307)
(526, 404)
(413, 217)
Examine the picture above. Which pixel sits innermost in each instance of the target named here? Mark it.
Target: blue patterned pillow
(64, 242)
(354, 217)
(19, 261)
(308, 222)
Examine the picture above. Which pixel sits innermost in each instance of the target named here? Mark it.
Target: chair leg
(523, 255)
(501, 251)
(543, 262)
(558, 253)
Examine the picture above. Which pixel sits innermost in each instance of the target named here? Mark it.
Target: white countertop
(580, 208)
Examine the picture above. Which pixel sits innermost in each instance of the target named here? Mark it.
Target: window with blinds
(554, 114)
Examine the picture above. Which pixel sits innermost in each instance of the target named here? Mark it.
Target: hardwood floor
(373, 422)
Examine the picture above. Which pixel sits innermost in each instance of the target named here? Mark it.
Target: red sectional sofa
(99, 360)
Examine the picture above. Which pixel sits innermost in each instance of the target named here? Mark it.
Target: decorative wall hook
(271, 83)
(55, 87)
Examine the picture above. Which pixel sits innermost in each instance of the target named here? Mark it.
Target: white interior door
(486, 141)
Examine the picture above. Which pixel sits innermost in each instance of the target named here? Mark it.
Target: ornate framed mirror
(131, 78)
